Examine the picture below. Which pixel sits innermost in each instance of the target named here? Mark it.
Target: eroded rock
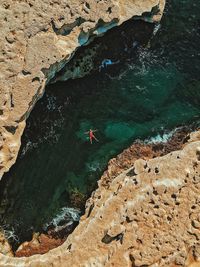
(5, 248)
(146, 215)
(39, 244)
(37, 39)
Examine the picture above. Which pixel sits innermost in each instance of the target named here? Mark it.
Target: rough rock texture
(90, 58)
(40, 244)
(139, 150)
(37, 39)
(146, 216)
(5, 248)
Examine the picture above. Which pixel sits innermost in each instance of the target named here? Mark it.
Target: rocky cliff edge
(147, 215)
(38, 37)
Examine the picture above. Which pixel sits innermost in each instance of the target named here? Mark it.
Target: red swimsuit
(91, 136)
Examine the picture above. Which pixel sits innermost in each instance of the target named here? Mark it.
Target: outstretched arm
(96, 138)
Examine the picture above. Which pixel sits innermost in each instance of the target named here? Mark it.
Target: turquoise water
(153, 89)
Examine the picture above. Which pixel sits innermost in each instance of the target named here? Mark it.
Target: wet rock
(39, 244)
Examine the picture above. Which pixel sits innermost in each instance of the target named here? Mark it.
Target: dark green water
(152, 90)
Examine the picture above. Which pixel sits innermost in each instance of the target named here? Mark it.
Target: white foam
(70, 215)
(160, 138)
(93, 166)
(156, 28)
(50, 135)
(9, 234)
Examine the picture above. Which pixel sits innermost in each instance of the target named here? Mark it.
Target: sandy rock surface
(148, 215)
(38, 37)
(145, 212)
(5, 248)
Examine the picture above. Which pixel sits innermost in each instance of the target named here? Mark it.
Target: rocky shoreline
(166, 176)
(28, 64)
(145, 211)
(43, 242)
(145, 151)
(25, 69)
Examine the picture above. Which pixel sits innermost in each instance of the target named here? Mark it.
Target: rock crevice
(37, 39)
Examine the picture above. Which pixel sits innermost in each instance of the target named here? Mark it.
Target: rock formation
(5, 248)
(39, 244)
(146, 209)
(146, 215)
(37, 39)
(52, 237)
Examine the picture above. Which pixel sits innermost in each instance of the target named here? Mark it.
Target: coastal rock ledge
(147, 215)
(38, 37)
(144, 213)
(146, 210)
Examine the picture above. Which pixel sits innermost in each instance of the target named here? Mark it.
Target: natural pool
(153, 89)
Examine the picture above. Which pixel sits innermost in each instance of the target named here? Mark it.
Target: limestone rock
(39, 244)
(5, 248)
(38, 37)
(147, 215)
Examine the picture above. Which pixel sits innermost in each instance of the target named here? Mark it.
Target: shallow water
(151, 91)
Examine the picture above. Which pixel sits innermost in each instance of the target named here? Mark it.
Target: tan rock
(37, 39)
(145, 211)
(5, 248)
(147, 215)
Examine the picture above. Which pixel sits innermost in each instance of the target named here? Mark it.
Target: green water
(153, 89)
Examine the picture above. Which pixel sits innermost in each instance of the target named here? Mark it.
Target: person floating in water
(91, 135)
